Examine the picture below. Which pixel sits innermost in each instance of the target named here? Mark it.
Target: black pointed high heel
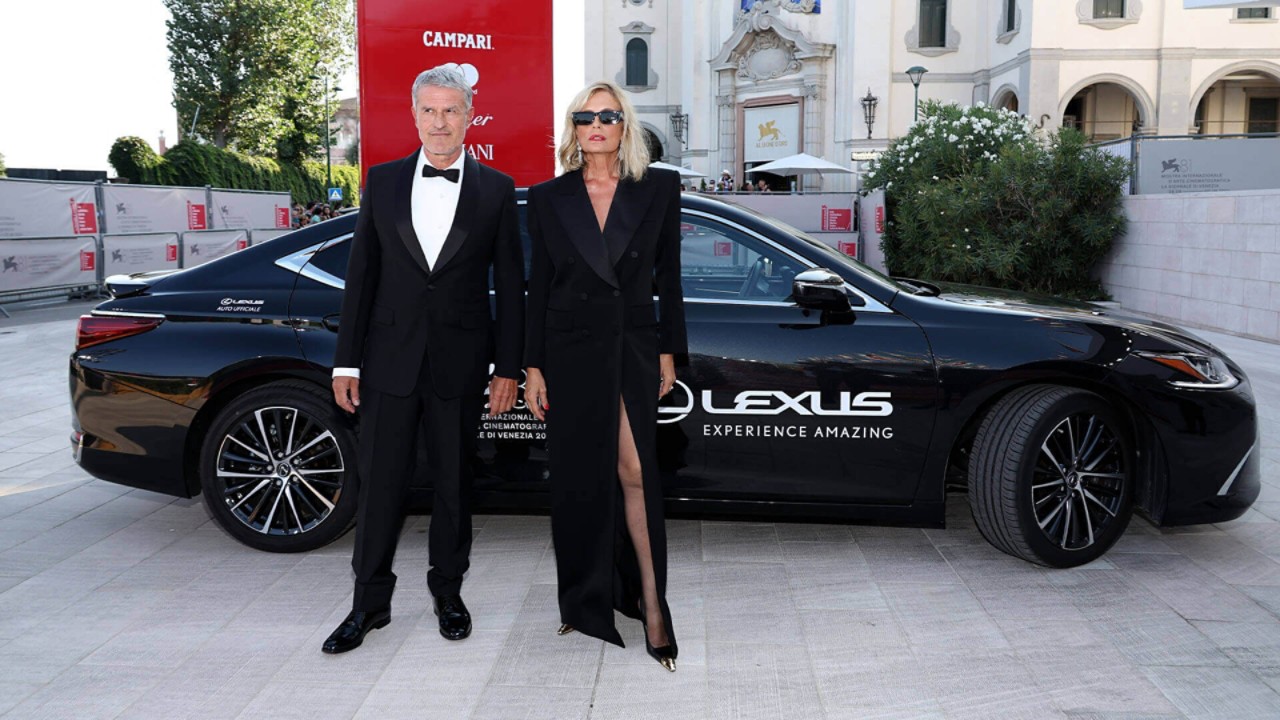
(665, 655)
(662, 654)
(564, 629)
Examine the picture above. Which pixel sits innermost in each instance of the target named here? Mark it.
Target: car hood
(1061, 308)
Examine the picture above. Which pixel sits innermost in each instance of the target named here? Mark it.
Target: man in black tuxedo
(415, 342)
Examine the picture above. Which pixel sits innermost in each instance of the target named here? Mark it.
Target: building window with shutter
(933, 23)
(1253, 13)
(637, 62)
(1108, 9)
(1264, 115)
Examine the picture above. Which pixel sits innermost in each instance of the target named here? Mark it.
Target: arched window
(637, 62)
(654, 144)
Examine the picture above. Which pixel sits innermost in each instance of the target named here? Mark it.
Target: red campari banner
(503, 49)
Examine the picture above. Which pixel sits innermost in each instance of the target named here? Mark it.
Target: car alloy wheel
(278, 466)
(1079, 481)
(1050, 475)
(281, 471)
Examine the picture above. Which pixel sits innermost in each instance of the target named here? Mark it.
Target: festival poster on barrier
(871, 216)
(58, 262)
(237, 210)
(504, 54)
(200, 248)
(31, 208)
(123, 254)
(141, 209)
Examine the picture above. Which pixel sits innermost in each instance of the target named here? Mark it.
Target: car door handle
(330, 322)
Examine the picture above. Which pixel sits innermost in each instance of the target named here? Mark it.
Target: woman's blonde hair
(633, 152)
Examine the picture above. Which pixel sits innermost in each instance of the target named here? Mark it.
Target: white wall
(1201, 259)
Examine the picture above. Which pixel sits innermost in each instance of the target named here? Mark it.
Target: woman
(603, 234)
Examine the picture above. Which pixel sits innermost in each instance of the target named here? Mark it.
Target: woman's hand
(667, 369)
(535, 393)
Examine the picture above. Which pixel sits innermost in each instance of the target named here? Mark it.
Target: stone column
(1043, 78)
(726, 103)
(814, 97)
(1174, 114)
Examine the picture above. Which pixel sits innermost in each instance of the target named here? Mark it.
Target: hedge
(194, 164)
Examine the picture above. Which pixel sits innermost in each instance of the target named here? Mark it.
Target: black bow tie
(451, 174)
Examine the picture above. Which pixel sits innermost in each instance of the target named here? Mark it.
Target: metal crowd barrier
(110, 254)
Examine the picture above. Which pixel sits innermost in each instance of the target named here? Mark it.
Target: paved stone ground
(119, 603)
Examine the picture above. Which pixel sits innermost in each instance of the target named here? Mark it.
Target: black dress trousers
(387, 457)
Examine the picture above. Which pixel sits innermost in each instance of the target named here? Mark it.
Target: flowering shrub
(974, 195)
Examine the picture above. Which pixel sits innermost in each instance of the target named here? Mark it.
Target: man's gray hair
(445, 76)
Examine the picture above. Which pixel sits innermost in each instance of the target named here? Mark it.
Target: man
(415, 342)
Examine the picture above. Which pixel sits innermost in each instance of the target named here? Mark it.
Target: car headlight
(1203, 372)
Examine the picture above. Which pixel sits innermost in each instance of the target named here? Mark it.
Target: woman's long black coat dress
(595, 332)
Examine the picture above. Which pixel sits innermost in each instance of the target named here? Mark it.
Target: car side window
(719, 262)
(333, 258)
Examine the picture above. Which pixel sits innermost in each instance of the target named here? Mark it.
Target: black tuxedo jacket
(396, 309)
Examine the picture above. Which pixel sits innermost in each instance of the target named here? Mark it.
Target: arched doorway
(1243, 100)
(1105, 111)
(1005, 99)
(655, 145)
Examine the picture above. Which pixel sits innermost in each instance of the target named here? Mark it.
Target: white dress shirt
(432, 203)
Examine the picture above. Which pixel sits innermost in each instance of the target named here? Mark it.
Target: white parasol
(684, 171)
(800, 164)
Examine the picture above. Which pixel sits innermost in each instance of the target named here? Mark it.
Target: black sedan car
(814, 388)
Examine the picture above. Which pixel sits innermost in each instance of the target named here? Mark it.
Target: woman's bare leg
(631, 477)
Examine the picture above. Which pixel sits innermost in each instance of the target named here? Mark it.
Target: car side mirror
(822, 289)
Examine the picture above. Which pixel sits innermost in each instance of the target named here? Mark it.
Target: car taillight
(96, 329)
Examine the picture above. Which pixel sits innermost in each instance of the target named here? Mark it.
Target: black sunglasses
(607, 117)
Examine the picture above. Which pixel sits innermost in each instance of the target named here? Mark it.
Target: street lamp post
(328, 148)
(916, 72)
(869, 103)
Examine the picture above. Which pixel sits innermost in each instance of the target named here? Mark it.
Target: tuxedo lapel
(630, 203)
(468, 200)
(579, 221)
(404, 211)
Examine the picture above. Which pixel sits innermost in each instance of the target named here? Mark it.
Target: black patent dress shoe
(351, 632)
(455, 621)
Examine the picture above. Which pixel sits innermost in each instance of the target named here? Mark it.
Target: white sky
(81, 73)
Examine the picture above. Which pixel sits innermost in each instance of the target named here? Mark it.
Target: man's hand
(502, 395)
(346, 392)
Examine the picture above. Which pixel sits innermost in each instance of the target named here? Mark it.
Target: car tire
(1051, 475)
(278, 468)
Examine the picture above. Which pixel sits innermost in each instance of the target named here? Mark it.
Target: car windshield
(835, 256)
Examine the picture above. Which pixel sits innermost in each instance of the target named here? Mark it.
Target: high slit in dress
(595, 332)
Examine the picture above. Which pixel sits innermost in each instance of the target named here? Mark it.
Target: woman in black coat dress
(605, 234)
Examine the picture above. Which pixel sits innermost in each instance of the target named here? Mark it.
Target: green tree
(975, 196)
(254, 70)
(3, 170)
